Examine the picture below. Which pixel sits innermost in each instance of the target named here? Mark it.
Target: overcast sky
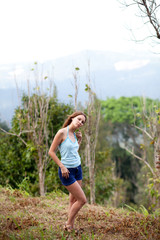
(39, 30)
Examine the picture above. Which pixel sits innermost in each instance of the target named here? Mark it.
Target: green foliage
(77, 68)
(122, 110)
(52, 181)
(130, 208)
(14, 166)
(116, 170)
(120, 114)
(24, 186)
(57, 113)
(141, 209)
(87, 88)
(154, 182)
(144, 211)
(105, 185)
(126, 167)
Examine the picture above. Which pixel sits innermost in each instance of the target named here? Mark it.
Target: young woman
(70, 171)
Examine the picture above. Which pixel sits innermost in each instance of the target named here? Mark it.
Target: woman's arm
(52, 152)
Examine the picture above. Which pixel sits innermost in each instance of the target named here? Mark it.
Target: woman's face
(78, 121)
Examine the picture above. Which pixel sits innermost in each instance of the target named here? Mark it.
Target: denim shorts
(74, 175)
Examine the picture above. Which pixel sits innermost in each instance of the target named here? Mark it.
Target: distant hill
(113, 74)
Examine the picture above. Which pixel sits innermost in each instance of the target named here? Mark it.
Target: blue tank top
(69, 152)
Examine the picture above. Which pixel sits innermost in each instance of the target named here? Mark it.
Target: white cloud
(130, 65)
(16, 72)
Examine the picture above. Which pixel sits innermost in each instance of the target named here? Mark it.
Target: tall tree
(30, 122)
(91, 133)
(120, 117)
(150, 128)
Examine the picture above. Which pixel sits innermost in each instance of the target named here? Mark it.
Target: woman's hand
(65, 172)
(79, 136)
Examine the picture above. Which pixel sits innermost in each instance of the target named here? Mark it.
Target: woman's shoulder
(62, 131)
(62, 134)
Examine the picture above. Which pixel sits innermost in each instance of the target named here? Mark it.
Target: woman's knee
(83, 201)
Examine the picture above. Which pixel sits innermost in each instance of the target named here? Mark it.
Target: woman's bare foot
(68, 228)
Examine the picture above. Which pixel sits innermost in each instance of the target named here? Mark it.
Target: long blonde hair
(69, 119)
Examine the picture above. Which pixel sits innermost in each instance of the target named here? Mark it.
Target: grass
(24, 217)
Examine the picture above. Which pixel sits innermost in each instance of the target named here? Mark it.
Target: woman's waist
(69, 163)
(69, 155)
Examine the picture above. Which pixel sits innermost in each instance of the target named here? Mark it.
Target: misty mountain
(113, 75)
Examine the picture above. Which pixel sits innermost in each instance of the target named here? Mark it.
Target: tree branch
(17, 135)
(141, 159)
(144, 131)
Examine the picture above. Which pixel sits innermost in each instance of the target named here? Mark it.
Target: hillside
(25, 217)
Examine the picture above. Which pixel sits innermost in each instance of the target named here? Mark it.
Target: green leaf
(77, 68)
(70, 96)
(144, 211)
(131, 208)
(87, 88)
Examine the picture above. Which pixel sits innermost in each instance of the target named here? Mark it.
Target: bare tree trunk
(157, 151)
(92, 183)
(75, 76)
(91, 166)
(41, 180)
(41, 172)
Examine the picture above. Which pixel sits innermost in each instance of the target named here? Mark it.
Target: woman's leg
(77, 192)
(72, 199)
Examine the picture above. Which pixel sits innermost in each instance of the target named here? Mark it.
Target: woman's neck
(72, 128)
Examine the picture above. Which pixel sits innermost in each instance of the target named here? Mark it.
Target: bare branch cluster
(149, 11)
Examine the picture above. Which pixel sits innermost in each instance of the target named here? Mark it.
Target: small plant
(144, 211)
(131, 208)
(156, 213)
(107, 214)
(8, 187)
(24, 186)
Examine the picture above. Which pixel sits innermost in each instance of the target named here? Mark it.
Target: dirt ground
(25, 217)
